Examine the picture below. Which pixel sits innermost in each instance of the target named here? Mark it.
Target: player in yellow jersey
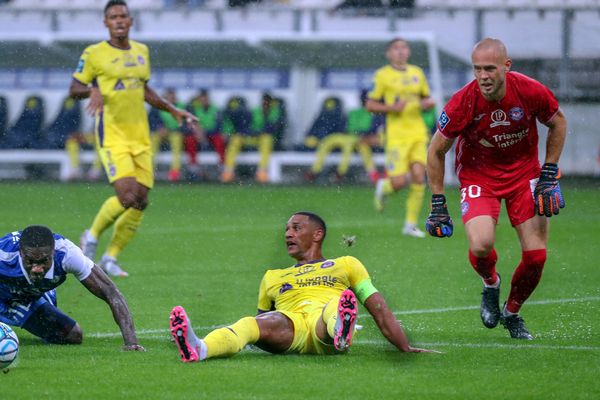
(400, 90)
(114, 75)
(308, 308)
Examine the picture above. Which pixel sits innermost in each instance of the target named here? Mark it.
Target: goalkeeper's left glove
(547, 195)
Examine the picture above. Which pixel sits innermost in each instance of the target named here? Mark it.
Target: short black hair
(394, 40)
(37, 236)
(112, 3)
(315, 219)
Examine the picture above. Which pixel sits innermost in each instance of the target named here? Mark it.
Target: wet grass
(206, 246)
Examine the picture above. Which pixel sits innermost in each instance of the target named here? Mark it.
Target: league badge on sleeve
(80, 66)
(443, 120)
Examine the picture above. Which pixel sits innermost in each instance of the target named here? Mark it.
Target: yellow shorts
(305, 335)
(122, 162)
(400, 155)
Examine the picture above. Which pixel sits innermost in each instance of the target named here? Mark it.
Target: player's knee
(399, 182)
(481, 249)
(141, 202)
(127, 199)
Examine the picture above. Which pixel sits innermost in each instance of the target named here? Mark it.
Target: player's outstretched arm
(79, 91)
(102, 287)
(389, 325)
(156, 101)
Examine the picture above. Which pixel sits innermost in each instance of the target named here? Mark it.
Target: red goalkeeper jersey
(498, 140)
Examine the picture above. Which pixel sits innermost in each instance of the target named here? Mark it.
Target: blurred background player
(365, 126)
(250, 128)
(34, 263)
(296, 317)
(117, 91)
(327, 133)
(171, 132)
(400, 90)
(494, 118)
(209, 120)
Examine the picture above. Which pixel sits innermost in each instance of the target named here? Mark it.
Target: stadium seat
(27, 132)
(3, 117)
(237, 117)
(331, 119)
(67, 122)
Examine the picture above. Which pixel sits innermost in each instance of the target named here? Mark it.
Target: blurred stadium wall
(304, 51)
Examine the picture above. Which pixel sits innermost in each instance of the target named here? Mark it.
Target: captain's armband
(364, 289)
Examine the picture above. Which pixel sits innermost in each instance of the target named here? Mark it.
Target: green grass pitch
(206, 246)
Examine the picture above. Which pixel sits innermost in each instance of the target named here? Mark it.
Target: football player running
(494, 119)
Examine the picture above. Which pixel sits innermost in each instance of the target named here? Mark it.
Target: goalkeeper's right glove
(439, 223)
(547, 195)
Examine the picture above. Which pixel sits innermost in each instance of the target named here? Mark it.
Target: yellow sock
(416, 192)
(387, 186)
(176, 143)
(225, 342)
(107, 215)
(367, 156)
(233, 149)
(125, 227)
(265, 147)
(72, 148)
(155, 140)
(330, 316)
(323, 151)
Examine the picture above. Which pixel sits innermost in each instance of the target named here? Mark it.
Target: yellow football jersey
(121, 76)
(410, 85)
(301, 287)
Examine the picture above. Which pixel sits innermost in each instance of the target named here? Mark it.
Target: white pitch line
(465, 308)
(524, 345)
(162, 333)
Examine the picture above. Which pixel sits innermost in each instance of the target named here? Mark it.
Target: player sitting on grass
(308, 308)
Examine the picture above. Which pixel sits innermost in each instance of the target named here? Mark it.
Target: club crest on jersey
(141, 60)
(516, 113)
(498, 119)
(443, 120)
(464, 207)
(327, 264)
(285, 287)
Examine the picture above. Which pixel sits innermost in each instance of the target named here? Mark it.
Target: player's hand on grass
(133, 347)
(547, 195)
(420, 350)
(439, 223)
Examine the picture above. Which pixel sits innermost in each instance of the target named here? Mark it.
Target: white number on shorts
(471, 191)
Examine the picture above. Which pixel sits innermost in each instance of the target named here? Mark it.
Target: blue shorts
(41, 318)
(17, 313)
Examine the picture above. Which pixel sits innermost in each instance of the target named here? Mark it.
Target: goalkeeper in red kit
(493, 119)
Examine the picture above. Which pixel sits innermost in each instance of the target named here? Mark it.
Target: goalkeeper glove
(547, 195)
(439, 223)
